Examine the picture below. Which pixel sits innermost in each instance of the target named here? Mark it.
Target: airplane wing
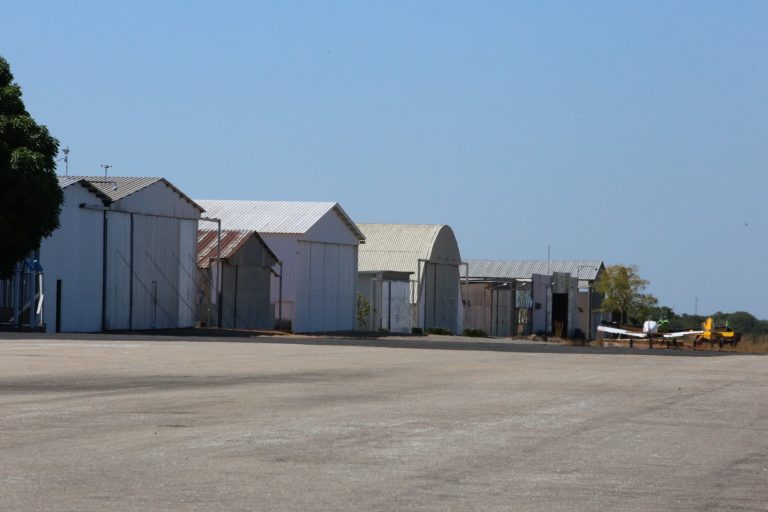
(680, 334)
(616, 330)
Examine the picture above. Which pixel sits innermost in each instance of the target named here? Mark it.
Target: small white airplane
(650, 332)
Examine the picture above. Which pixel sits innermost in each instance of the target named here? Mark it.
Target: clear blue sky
(632, 132)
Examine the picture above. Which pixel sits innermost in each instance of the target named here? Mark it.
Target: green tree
(622, 289)
(363, 310)
(739, 321)
(661, 312)
(30, 197)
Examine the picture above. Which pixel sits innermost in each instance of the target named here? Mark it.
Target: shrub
(363, 310)
(439, 330)
(475, 333)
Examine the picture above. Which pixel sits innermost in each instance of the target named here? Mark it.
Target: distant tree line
(739, 321)
(623, 294)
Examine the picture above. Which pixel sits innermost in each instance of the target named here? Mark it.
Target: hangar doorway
(560, 315)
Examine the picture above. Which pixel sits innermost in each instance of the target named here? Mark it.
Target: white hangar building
(317, 245)
(125, 256)
(430, 253)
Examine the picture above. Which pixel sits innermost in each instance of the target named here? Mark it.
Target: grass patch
(753, 343)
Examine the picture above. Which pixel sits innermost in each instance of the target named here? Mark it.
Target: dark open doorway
(560, 314)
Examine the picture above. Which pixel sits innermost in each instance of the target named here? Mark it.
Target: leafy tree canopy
(30, 197)
(622, 289)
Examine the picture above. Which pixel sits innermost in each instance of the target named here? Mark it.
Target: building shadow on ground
(414, 343)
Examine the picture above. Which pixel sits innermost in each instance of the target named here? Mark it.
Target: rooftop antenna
(106, 168)
(548, 272)
(65, 159)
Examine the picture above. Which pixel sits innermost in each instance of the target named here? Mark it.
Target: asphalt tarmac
(94, 423)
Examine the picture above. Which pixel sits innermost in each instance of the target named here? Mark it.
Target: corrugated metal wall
(326, 295)
(440, 296)
(73, 255)
(395, 307)
(285, 247)
(542, 303)
(246, 288)
(150, 262)
(150, 272)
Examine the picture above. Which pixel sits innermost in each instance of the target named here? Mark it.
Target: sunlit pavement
(150, 423)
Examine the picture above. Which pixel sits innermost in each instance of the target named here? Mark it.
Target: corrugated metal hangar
(125, 256)
(520, 297)
(245, 270)
(317, 244)
(431, 254)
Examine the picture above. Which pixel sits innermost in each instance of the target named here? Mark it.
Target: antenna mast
(65, 158)
(106, 168)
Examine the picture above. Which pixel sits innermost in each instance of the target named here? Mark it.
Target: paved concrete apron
(140, 424)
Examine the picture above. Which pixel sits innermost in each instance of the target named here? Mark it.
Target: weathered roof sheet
(586, 270)
(118, 187)
(399, 247)
(66, 181)
(274, 216)
(231, 242)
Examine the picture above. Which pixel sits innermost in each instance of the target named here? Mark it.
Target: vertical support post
(58, 305)
(234, 306)
(589, 309)
(418, 292)
(130, 282)
(104, 273)
(389, 307)
(434, 295)
(219, 280)
(40, 293)
(280, 299)
(493, 333)
(154, 304)
(20, 307)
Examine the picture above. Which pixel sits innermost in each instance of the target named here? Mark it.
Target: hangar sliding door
(326, 290)
(440, 292)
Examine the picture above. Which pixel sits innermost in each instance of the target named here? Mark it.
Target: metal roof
(118, 187)
(586, 270)
(231, 242)
(398, 247)
(66, 181)
(274, 216)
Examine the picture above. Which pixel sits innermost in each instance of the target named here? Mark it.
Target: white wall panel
(326, 296)
(301, 278)
(285, 247)
(316, 288)
(156, 273)
(330, 228)
(332, 289)
(157, 199)
(187, 268)
(118, 271)
(73, 254)
(347, 312)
